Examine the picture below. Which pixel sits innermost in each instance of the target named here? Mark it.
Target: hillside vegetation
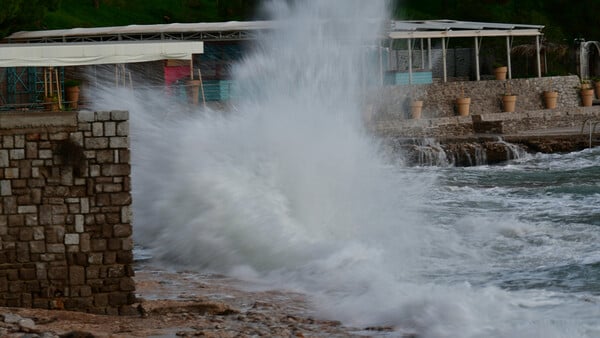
(100, 13)
(564, 20)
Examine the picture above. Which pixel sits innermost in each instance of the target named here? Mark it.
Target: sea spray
(288, 188)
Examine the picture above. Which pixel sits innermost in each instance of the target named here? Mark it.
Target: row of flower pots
(509, 100)
(508, 104)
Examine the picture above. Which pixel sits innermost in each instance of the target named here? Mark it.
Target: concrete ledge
(35, 119)
(496, 123)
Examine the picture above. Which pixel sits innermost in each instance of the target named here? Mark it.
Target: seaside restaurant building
(33, 64)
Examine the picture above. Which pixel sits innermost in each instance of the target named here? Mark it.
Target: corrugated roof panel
(434, 28)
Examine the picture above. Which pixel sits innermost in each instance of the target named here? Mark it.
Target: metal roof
(244, 30)
(452, 28)
(232, 30)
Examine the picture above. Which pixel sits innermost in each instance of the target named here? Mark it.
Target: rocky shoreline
(179, 304)
(492, 138)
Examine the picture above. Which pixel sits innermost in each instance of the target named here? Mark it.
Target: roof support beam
(429, 54)
(410, 56)
(422, 55)
(444, 57)
(380, 49)
(477, 72)
(508, 63)
(537, 50)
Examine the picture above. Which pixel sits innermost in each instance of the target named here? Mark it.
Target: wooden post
(201, 88)
(45, 82)
(58, 89)
(50, 71)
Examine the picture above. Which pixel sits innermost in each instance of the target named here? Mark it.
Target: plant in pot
(596, 81)
(51, 102)
(463, 103)
(550, 96)
(416, 104)
(509, 100)
(500, 71)
(416, 108)
(587, 93)
(72, 93)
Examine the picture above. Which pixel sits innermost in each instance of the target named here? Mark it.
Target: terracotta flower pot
(509, 103)
(550, 99)
(500, 72)
(587, 97)
(51, 103)
(416, 108)
(462, 105)
(72, 96)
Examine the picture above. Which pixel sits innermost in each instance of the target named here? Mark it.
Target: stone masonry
(389, 109)
(65, 211)
(393, 102)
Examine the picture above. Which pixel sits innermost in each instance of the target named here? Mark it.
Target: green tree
(24, 14)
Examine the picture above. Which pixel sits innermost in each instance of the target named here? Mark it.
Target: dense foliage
(24, 14)
(18, 15)
(564, 20)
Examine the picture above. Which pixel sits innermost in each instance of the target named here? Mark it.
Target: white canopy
(232, 30)
(460, 29)
(78, 54)
(446, 29)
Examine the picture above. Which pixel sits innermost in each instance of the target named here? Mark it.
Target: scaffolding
(23, 87)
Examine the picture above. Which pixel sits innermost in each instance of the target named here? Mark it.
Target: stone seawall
(65, 211)
(491, 124)
(491, 138)
(392, 102)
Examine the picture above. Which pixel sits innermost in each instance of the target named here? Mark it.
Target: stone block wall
(494, 124)
(393, 101)
(65, 211)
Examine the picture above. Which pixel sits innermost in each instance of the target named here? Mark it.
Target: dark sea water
(528, 229)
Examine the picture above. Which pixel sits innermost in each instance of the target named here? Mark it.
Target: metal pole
(444, 59)
(422, 55)
(429, 53)
(477, 58)
(380, 66)
(537, 49)
(409, 61)
(508, 63)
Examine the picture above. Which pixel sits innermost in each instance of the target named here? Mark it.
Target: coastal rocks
(186, 305)
(462, 153)
(199, 306)
(13, 325)
(557, 143)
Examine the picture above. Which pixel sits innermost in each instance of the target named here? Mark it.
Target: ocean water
(288, 190)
